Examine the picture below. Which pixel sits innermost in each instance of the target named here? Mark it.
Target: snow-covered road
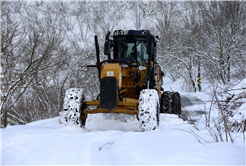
(192, 106)
(112, 142)
(111, 139)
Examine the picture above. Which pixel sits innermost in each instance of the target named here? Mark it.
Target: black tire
(173, 102)
(170, 103)
(164, 105)
(82, 115)
(177, 95)
(158, 115)
(82, 122)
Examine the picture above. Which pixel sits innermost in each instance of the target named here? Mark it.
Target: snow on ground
(112, 142)
(111, 139)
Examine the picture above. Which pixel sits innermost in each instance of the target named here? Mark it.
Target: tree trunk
(221, 70)
(199, 74)
(0, 119)
(191, 78)
(228, 67)
(5, 119)
(192, 81)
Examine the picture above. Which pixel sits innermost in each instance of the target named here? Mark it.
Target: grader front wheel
(148, 110)
(72, 108)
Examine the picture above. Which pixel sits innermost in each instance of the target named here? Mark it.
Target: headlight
(110, 73)
(142, 68)
(84, 68)
(124, 66)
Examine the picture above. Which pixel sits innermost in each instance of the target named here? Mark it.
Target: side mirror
(107, 48)
(84, 68)
(107, 44)
(107, 36)
(141, 68)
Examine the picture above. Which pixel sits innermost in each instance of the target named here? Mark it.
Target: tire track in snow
(193, 106)
(101, 147)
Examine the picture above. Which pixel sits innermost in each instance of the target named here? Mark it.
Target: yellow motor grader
(130, 82)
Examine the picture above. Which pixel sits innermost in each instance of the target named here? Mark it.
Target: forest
(44, 44)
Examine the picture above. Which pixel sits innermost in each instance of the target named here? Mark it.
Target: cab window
(124, 50)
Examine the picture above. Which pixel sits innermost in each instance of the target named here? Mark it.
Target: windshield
(127, 50)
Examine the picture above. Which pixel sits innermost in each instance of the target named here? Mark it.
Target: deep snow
(112, 142)
(111, 139)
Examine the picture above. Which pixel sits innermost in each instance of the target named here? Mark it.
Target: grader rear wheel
(170, 103)
(178, 103)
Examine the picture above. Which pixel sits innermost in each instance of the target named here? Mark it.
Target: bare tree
(224, 33)
(30, 44)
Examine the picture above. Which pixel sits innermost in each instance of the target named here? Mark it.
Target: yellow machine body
(112, 70)
(124, 76)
